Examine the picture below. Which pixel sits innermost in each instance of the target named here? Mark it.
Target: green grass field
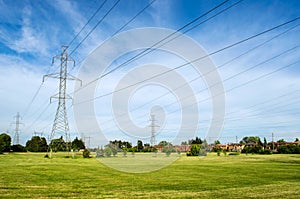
(29, 175)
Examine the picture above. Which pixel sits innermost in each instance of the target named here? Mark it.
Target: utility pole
(153, 132)
(17, 129)
(60, 124)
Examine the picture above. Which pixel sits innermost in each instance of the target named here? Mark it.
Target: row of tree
(39, 144)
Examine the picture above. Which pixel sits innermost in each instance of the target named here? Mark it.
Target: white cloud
(31, 40)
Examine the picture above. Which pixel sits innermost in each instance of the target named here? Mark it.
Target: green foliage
(164, 143)
(265, 152)
(203, 149)
(77, 144)
(99, 153)
(168, 150)
(178, 152)
(195, 149)
(254, 149)
(5, 142)
(297, 140)
(140, 145)
(149, 149)
(37, 144)
(197, 140)
(265, 143)
(86, 153)
(281, 141)
(215, 149)
(58, 145)
(107, 151)
(18, 148)
(255, 140)
(217, 142)
(120, 144)
(114, 151)
(289, 149)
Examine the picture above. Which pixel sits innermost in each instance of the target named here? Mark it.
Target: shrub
(86, 153)
(266, 152)
(18, 148)
(107, 151)
(99, 153)
(195, 149)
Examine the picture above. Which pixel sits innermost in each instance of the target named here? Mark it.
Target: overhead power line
(98, 23)
(121, 28)
(190, 62)
(147, 49)
(89, 20)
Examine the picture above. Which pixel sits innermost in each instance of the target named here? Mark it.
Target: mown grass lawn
(29, 175)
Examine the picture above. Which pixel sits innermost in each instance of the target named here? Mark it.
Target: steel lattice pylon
(61, 125)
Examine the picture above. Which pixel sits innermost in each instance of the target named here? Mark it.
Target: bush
(289, 149)
(254, 149)
(99, 153)
(195, 149)
(18, 148)
(265, 152)
(107, 151)
(86, 153)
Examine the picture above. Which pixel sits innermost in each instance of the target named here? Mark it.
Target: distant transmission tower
(17, 129)
(60, 125)
(153, 132)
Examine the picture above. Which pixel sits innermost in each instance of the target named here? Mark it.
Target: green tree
(204, 149)
(107, 151)
(140, 145)
(99, 152)
(197, 140)
(86, 153)
(58, 144)
(255, 140)
(18, 148)
(5, 142)
(195, 149)
(297, 140)
(265, 143)
(217, 142)
(163, 143)
(281, 141)
(77, 144)
(37, 144)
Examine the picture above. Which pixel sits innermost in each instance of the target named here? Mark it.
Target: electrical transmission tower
(153, 131)
(60, 125)
(17, 129)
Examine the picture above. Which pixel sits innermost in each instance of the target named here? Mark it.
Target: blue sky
(32, 32)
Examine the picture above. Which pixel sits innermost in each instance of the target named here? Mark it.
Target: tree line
(39, 144)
